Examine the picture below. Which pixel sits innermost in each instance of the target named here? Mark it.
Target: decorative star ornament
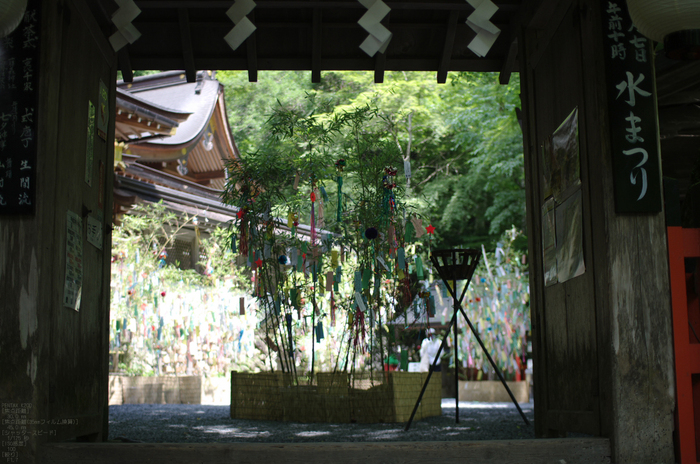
(259, 262)
(430, 229)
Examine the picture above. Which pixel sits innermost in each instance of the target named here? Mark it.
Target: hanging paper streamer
(334, 258)
(296, 181)
(233, 244)
(329, 281)
(431, 306)
(401, 256)
(418, 227)
(419, 268)
(407, 168)
(323, 193)
(360, 302)
(313, 219)
(409, 233)
(241, 310)
(358, 281)
(332, 309)
(319, 332)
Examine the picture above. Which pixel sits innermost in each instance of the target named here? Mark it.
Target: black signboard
(19, 87)
(632, 108)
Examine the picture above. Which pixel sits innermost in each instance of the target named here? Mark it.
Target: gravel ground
(194, 423)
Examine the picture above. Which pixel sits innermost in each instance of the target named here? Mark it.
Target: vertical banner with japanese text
(19, 87)
(632, 110)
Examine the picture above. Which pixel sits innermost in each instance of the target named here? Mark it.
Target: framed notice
(19, 87)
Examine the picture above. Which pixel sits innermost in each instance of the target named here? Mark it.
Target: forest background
(463, 139)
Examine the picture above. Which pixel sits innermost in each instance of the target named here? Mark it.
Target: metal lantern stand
(454, 265)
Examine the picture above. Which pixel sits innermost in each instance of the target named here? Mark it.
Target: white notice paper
(73, 286)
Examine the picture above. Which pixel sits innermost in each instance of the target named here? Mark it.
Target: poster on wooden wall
(73, 286)
(19, 87)
(634, 133)
(562, 209)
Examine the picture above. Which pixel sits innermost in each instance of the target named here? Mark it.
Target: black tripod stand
(454, 265)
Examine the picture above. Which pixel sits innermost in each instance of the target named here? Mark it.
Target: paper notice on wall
(90, 144)
(73, 286)
(94, 231)
(569, 219)
(549, 244)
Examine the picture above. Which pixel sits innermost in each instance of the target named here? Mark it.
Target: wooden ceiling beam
(508, 63)
(186, 40)
(380, 58)
(447, 48)
(125, 65)
(252, 52)
(316, 46)
(329, 64)
(503, 5)
(208, 175)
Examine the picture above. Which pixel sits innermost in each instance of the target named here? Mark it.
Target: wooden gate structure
(602, 338)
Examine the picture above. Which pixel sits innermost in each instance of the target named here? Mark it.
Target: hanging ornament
(371, 233)
(418, 226)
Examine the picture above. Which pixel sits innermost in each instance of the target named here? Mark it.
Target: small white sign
(94, 231)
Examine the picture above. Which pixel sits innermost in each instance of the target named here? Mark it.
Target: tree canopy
(462, 138)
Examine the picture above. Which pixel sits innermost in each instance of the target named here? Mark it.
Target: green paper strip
(323, 193)
(410, 233)
(402, 258)
(419, 268)
(358, 281)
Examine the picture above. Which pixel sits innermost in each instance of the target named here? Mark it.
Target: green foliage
(463, 139)
(497, 303)
(347, 154)
(158, 310)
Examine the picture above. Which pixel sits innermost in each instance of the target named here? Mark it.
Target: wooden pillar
(53, 358)
(602, 341)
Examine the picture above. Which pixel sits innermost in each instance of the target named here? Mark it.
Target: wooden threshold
(540, 451)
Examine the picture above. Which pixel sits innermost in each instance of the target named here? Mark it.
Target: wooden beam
(186, 39)
(331, 64)
(569, 450)
(547, 18)
(125, 65)
(316, 47)
(508, 63)
(379, 67)
(380, 58)
(508, 6)
(447, 47)
(208, 175)
(252, 52)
